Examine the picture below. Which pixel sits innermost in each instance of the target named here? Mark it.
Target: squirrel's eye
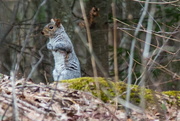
(51, 27)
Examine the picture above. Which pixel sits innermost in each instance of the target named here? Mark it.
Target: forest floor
(58, 102)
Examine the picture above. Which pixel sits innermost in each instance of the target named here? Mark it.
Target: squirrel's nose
(42, 33)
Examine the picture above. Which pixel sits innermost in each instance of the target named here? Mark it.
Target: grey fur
(66, 62)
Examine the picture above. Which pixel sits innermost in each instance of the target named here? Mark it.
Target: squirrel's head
(50, 29)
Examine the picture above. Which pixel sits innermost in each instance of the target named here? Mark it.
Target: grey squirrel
(66, 62)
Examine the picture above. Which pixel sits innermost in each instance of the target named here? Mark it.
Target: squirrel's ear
(58, 22)
(52, 21)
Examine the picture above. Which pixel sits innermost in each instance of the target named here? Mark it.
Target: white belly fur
(59, 58)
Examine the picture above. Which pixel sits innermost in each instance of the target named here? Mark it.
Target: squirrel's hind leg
(65, 75)
(68, 74)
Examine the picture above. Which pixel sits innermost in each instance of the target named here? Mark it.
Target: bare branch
(90, 47)
(132, 53)
(14, 72)
(13, 20)
(157, 2)
(35, 66)
(115, 43)
(89, 38)
(146, 54)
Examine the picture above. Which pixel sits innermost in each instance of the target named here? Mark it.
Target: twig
(72, 7)
(99, 65)
(154, 33)
(19, 56)
(145, 55)
(35, 66)
(146, 43)
(5, 5)
(115, 43)
(25, 104)
(27, 37)
(132, 54)
(160, 50)
(165, 69)
(115, 46)
(115, 117)
(90, 47)
(13, 19)
(14, 99)
(89, 38)
(5, 112)
(157, 2)
(130, 105)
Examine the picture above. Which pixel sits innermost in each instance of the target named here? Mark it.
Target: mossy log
(109, 90)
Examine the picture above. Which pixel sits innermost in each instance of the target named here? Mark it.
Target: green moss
(172, 93)
(174, 97)
(109, 90)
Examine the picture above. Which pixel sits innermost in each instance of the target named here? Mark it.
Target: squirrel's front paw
(49, 46)
(62, 48)
(59, 47)
(52, 48)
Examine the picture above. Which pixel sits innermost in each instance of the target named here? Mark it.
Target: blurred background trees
(159, 68)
